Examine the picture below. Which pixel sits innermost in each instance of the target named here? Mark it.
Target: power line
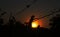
(27, 6)
(49, 14)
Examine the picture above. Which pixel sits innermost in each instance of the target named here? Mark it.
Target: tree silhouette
(55, 23)
(31, 20)
(1, 23)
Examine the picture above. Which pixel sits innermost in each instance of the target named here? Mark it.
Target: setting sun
(34, 24)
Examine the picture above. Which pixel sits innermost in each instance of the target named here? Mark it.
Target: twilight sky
(39, 9)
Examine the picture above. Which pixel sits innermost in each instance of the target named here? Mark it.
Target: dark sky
(40, 8)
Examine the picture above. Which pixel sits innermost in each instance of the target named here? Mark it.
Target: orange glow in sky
(41, 22)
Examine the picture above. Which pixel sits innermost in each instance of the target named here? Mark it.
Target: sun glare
(34, 24)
